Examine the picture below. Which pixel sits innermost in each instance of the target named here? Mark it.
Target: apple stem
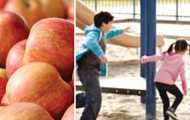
(26, 3)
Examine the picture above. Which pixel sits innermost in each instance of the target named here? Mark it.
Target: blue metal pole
(144, 36)
(143, 43)
(148, 45)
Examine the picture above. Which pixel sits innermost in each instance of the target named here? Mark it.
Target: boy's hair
(102, 17)
(180, 45)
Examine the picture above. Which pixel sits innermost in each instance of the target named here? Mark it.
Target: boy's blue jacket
(93, 35)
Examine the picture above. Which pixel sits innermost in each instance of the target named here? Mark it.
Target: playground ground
(124, 65)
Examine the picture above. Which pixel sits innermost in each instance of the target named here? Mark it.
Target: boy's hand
(103, 60)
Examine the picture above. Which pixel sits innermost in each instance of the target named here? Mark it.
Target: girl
(172, 65)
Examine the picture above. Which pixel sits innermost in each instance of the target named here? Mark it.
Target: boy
(91, 60)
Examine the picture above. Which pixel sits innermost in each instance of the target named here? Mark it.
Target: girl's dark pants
(174, 90)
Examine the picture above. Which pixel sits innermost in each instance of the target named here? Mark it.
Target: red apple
(12, 30)
(71, 83)
(54, 8)
(15, 57)
(4, 99)
(3, 83)
(2, 3)
(34, 10)
(40, 83)
(71, 14)
(24, 111)
(30, 10)
(70, 9)
(69, 114)
(51, 40)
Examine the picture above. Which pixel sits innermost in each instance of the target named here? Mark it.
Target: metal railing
(167, 10)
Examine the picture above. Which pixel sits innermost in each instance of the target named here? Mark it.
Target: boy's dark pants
(89, 78)
(174, 90)
(88, 72)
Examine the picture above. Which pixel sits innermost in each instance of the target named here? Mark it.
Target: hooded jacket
(93, 36)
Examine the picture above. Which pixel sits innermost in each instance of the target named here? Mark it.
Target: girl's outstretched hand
(144, 59)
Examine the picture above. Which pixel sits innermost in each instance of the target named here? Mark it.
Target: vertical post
(96, 5)
(134, 8)
(148, 45)
(177, 10)
(143, 47)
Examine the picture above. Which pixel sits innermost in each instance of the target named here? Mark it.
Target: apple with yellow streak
(34, 10)
(40, 83)
(12, 30)
(51, 40)
(24, 111)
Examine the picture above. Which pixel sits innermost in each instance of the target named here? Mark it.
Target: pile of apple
(34, 10)
(36, 60)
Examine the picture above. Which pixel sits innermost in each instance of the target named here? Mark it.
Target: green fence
(171, 10)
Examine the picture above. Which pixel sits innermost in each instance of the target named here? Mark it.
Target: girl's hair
(180, 45)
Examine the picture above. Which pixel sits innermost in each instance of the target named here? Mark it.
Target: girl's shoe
(172, 114)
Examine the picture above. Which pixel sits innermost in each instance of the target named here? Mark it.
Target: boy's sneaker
(80, 98)
(172, 114)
